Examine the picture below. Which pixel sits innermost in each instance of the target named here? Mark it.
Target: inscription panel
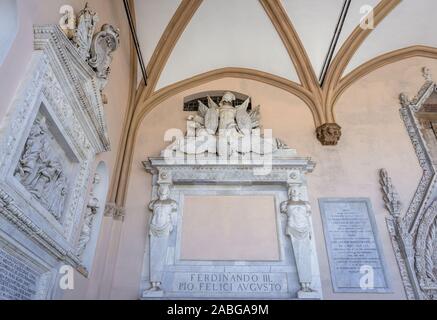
(17, 280)
(354, 250)
(231, 283)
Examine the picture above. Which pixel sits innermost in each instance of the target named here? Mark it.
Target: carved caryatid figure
(162, 223)
(226, 130)
(91, 212)
(86, 25)
(299, 229)
(164, 209)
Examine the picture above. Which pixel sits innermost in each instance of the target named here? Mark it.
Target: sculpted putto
(225, 130)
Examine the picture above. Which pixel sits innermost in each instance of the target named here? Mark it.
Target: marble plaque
(17, 280)
(354, 251)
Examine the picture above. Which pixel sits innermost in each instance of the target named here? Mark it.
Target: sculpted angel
(225, 130)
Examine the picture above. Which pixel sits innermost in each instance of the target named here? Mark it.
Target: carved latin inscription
(354, 253)
(225, 282)
(17, 280)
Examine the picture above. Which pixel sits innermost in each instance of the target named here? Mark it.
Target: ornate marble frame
(216, 178)
(68, 89)
(413, 234)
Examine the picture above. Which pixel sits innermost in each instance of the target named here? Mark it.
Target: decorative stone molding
(329, 134)
(114, 211)
(49, 139)
(413, 234)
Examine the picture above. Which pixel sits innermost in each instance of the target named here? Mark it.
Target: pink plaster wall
(374, 137)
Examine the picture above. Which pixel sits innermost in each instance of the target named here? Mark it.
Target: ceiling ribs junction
(351, 58)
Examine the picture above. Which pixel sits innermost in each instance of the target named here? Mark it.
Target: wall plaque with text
(17, 280)
(354, 251)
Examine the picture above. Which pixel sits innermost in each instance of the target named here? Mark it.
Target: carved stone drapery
(298, 229)
(329, 134)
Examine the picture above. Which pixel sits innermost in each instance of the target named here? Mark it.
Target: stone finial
(329, 134)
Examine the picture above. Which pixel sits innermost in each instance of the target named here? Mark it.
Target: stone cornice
(84, 83)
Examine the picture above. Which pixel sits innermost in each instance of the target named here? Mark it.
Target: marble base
(313, 295)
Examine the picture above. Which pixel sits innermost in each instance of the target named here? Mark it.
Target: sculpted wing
(243, 118)
(255, 116)
(202, 109)
(210, 115)
(212, 104)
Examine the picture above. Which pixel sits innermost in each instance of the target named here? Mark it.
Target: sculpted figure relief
(299, 229)
(86, 25)
(40, 172)
(161, 225)
(225, 130)
(92, 207)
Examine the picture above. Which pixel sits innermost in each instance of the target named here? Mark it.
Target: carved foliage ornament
(329, 134)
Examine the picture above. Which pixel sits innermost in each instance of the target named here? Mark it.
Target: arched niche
(96, 199)
(8, 26)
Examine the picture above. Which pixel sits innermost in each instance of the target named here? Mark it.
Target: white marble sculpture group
(225, 130)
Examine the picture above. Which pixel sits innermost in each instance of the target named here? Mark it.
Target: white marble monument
(49, 139)
(224, 153)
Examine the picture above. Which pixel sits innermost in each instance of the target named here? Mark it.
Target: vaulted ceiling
(283, 43)
(239, 33)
